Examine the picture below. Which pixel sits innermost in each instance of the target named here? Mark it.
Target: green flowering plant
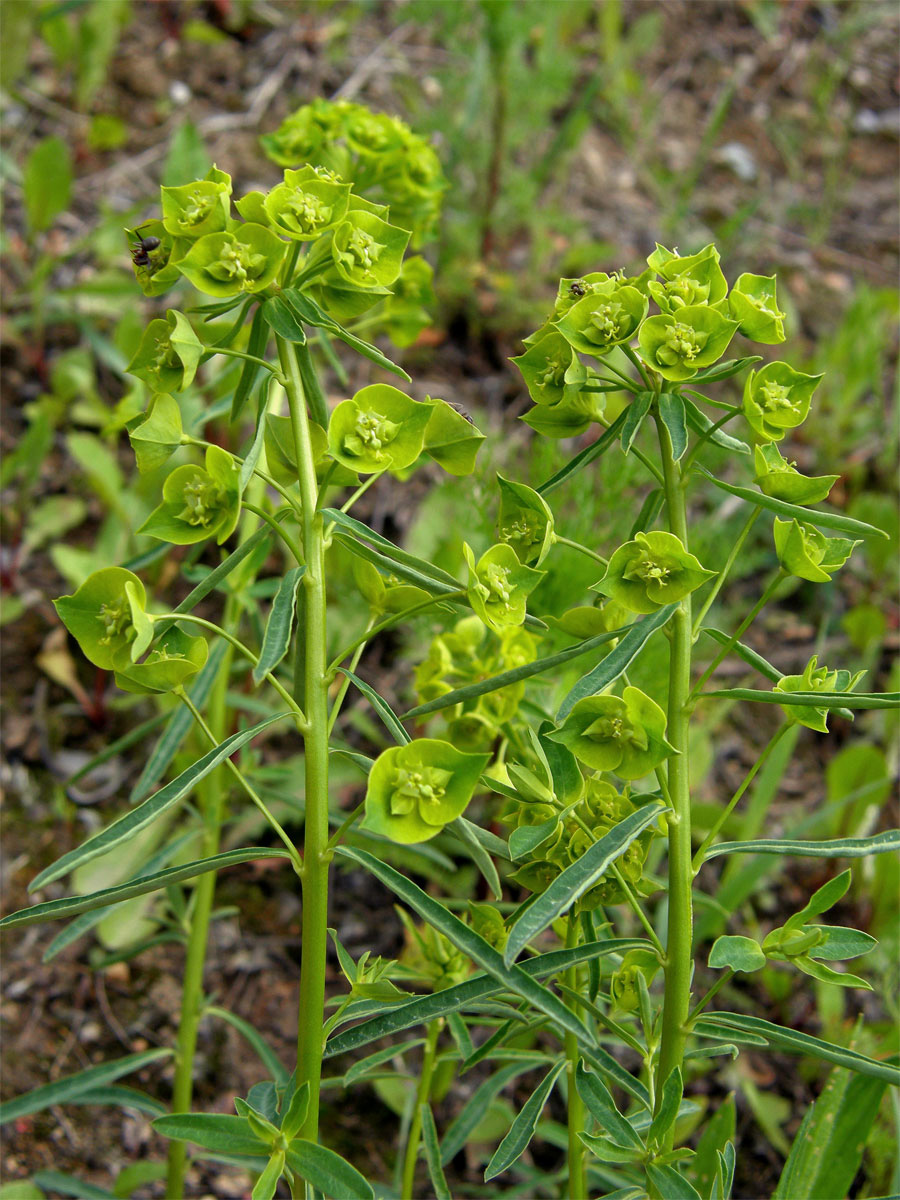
(551, 369)
(169, 354)
(156, 434)
(198, 502)
(625, 735)
(379, 429)
(196, 209)
(610, 314)
(305, 206)
(753, 303)
(687, 281)
(174, 660)
(368, 252)
(678, 345)
(499, 585)
(107, 617)
(651, 570)
(777, 399)
(524, 521)
(815, 679)
(228, 263)
(805, 552)
(415, 790)
(451, 438)
(779, 478)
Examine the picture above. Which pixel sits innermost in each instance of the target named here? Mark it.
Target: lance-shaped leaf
(466, 940)
(256, 346)
(739, 1027)
(634, 418)
(433, 1154)
(823, 700)
(70, 1087)
(666, 1181)
(665, 1117)
(700, 423)
(523, 1127)
(673, 415)
(881, 843)
(278, 627)
(600, 1104)
(306, 310)
(218, 1132)
(577, 879)
(327, 1171)
(586, 456)
(138, 818)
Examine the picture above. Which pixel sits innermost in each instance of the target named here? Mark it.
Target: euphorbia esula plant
(578, 962)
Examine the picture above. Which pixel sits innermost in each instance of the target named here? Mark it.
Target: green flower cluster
(417, 789)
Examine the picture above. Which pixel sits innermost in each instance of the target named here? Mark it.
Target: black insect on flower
(142, 246)
(577, 288)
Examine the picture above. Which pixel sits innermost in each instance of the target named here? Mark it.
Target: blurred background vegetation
(573, 136)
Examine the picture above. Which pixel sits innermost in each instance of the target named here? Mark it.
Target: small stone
(179, 92)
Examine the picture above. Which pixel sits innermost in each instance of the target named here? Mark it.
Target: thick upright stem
(204, 893)
(314, 702)
(677, 999)
(576, 1115)
(423, 1091)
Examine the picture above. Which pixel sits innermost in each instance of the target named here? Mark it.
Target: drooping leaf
(577, 879)
(599, 1102)
(219, 1132)
(588, 455)
(267, 1055)
(522, 1130)
(673, 416)
(433, 1155)
(72, 1086)
(828, 700)
(277, 636)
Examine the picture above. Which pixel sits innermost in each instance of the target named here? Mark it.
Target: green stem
(635, 907)
(212, 800)
(735, 799)
(422, 1092)
(260, 362)
(562, 541)
(705, 437)
(393, 619)
(651, 466)
(723, 574)
(360, 491)
(639, 365)
(295, 550)
(576, 1114)
(724, 978)
(676, 1002)
(315, 740)
(745, 624)
(345, 682)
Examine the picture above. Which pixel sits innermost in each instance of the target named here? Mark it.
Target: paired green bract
(415, 790)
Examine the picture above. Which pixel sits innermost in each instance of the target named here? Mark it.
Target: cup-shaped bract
(776, 399)
(805, 552)
(499, 585)
(168, 354)
(174, 660)
(625, 735)
(379, 429)
(551, 369)
(610, 314)
(451, 438)
(198, 502)
(228, 263)
(652, 570)
(524, 521)
(100, 615)
(752, 301)
(570, 291)
(407, 310)
(678, 345)
(156, 434)
(780, 479)
(305, 205)
(686, 280)
(367, 251)
(160, 271)
(308, 135)
(196, 209)
(815, 679)
(417, 789)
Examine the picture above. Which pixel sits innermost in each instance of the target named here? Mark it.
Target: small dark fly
(577, 288)
(462, 412)
(142, 246)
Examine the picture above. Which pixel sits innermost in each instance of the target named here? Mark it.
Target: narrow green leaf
(265, 1186)
(700, 423)
(616, 661)
(749, 656)
(522, 1129)
(464, 831)
(371, 1062)
(66, 1185)
(293, 1119)
(47, 183)
(515, 674)
(256, 345)
(829, 700)
(463, 995)
(384, 710)
(880, 843)
(717, 1132)
(604, 1063)
(433, 1155)
(467, 940)
(634, 418)
(177, 727)
(648, 513)
(222, 571)
(300, 305)
(725, 369)
(828, 1147)
(116, 1095)
(387, 547)
(252, 457)
(577, 879)
(219, 1132)
(673, 1090)
(267, 1055)
(665, 1183)
(277, 636)
(72, 1086)
(600, 1104)
(588, 455)
(468, 1120)
(672, 414)
(131, 822)
(281, 319)
(70, 906)
(327, 1171)
(738, 1026)
(811, 516)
